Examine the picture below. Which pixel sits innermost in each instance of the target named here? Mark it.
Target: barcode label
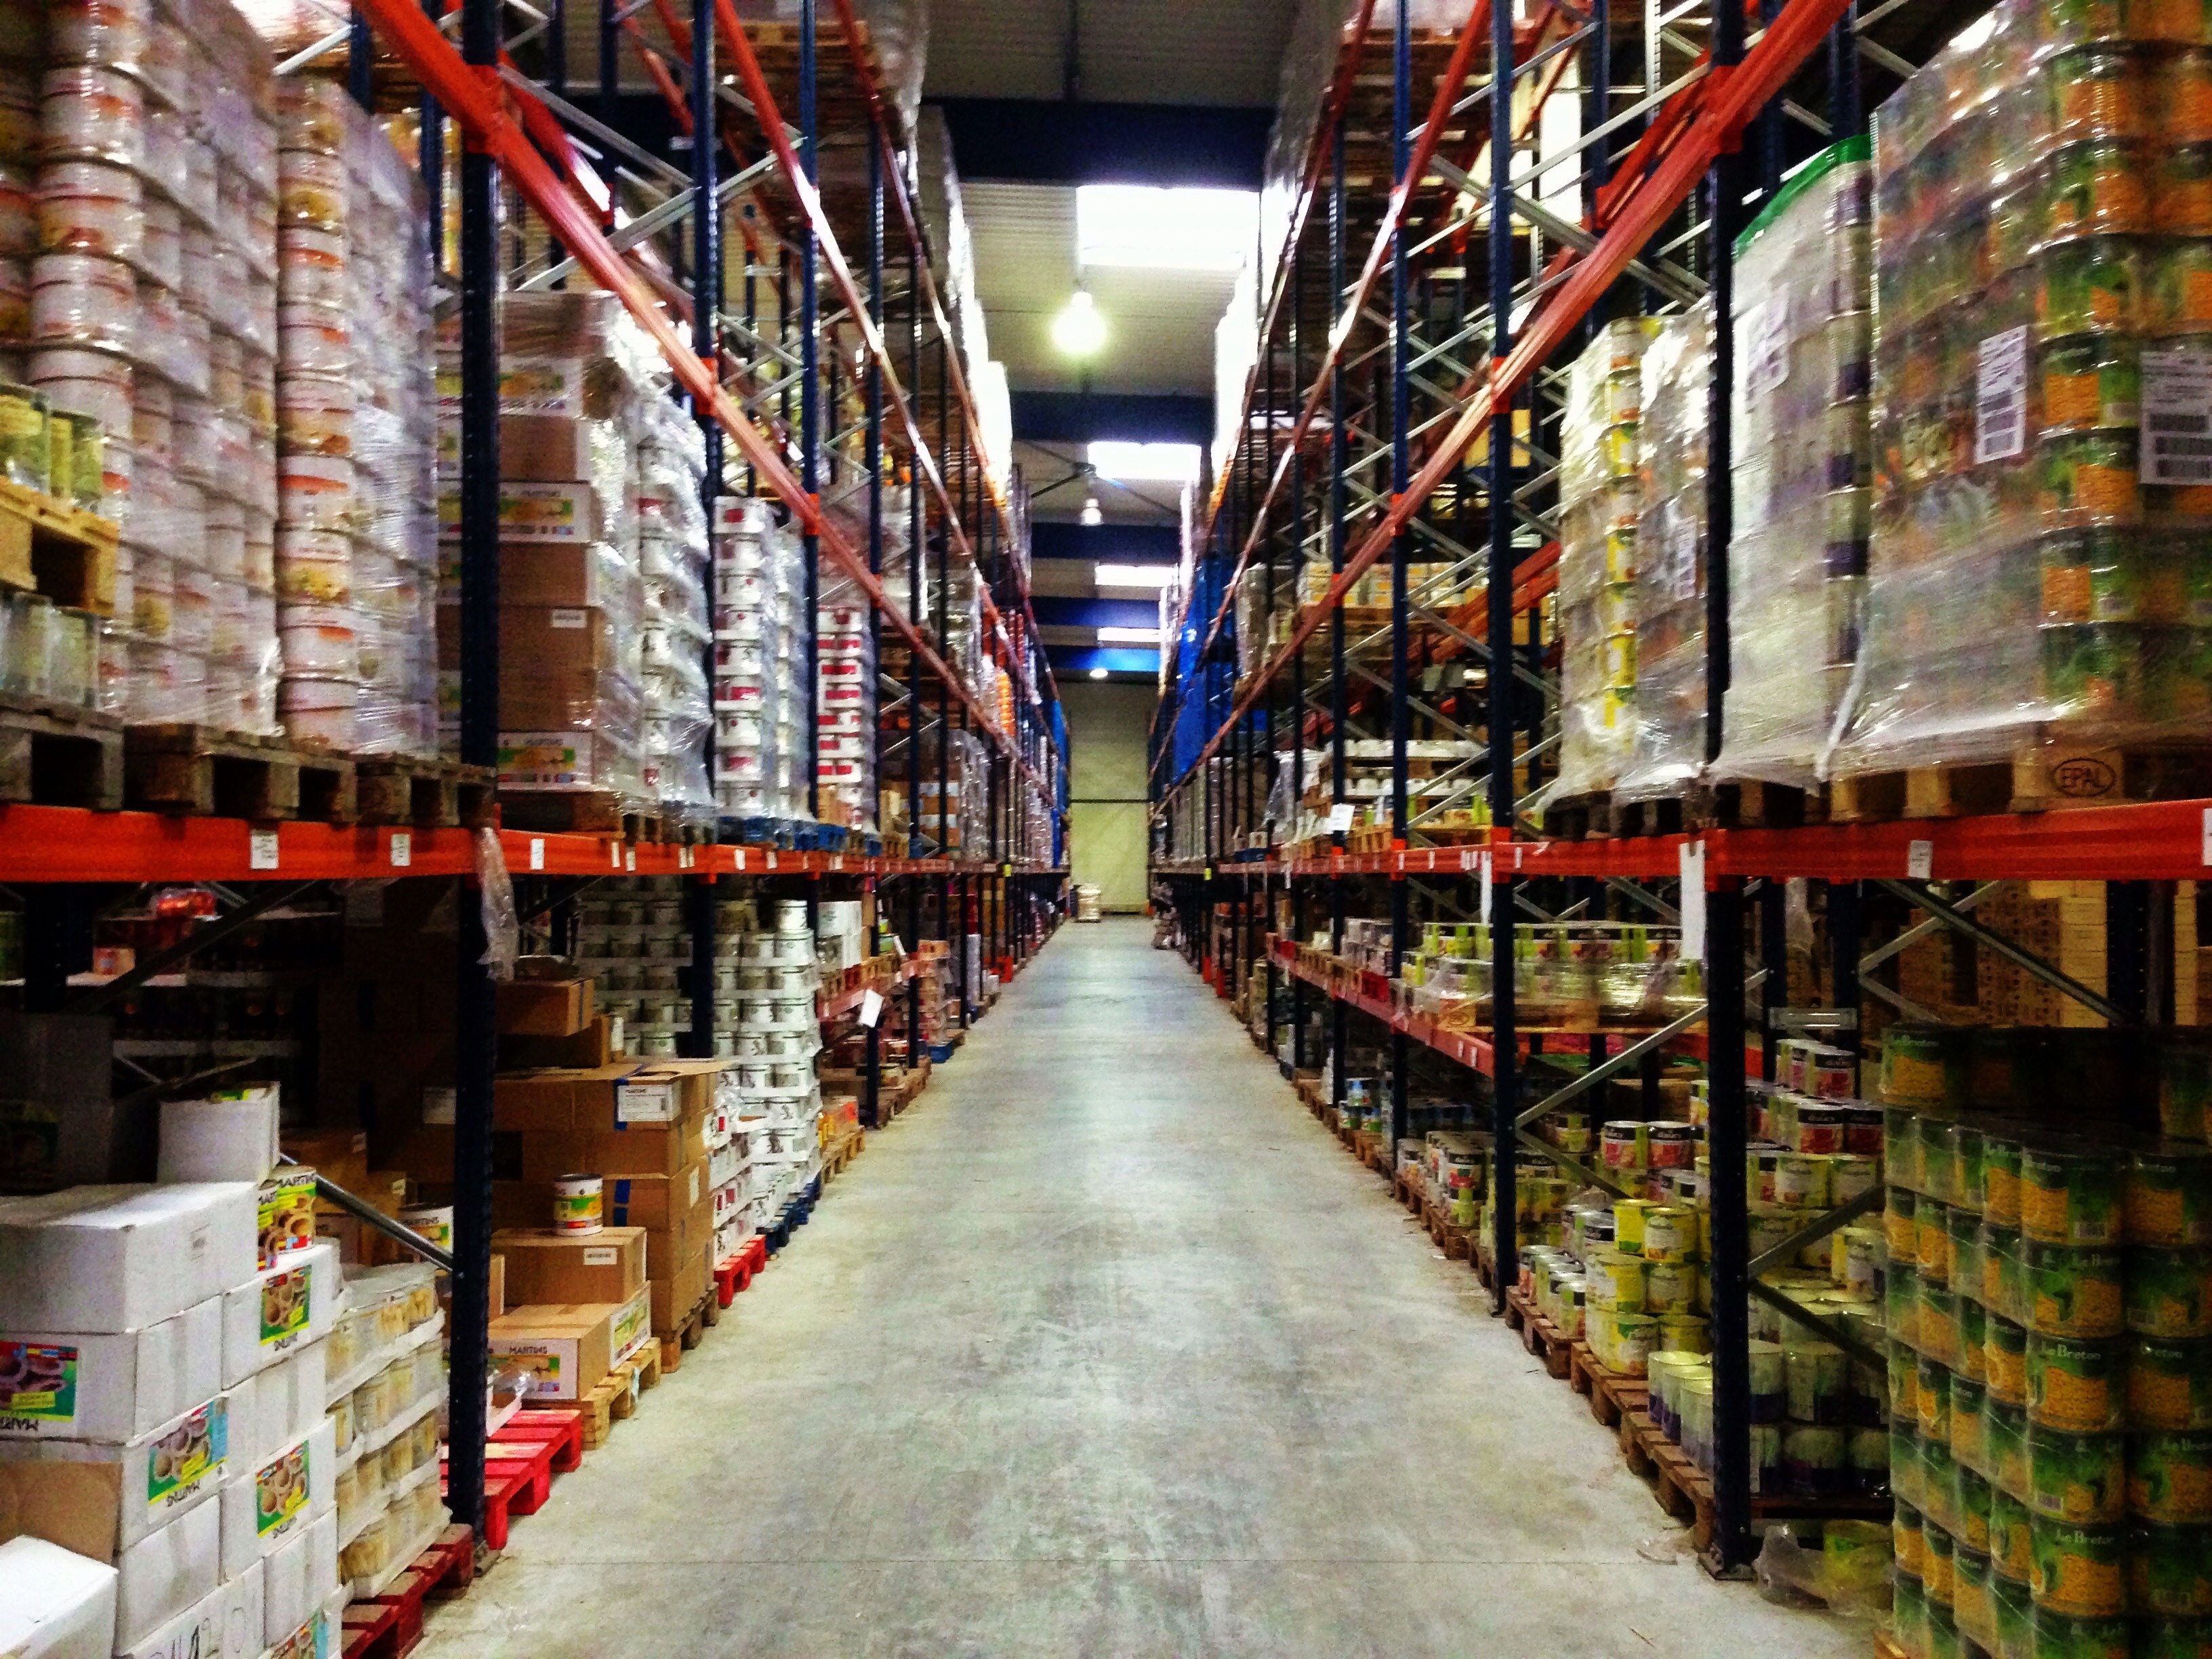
(2000, 397)
(2177, 415)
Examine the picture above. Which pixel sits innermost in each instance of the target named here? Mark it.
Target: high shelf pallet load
(672, 568)
(1670, 567)
(760, 752)
(574, 373)
(1601, 497)
(355, 433)
(2037, 588)
(1800, 470)
(145, 243)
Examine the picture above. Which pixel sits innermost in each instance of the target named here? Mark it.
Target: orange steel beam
(474, 96)
(1730, 98)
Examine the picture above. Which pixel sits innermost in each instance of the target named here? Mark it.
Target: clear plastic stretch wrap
(1670, 564)
(948, 819)
(2043, 390)
(1601, 497)
(672, 567)
(761, 748)
(137, 298)
(845, 703)
(1800, 470)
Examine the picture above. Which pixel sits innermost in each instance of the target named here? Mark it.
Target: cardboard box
(276, 1406)
(279, 1498)
(298, 1577)
(620, 1119)
(109, 1498)
(544, 1007)
(54, 1604)
(591, 1046)
(533, 512)
(112, 1387)
(230, 1137)
(544, 448)
(498, 1282)
(224, 1624)
(567, 1348)
(278, 1310)
(557, 1269)
(340, 1154)
(679, 1292)
(122, 1258)
(567, 574)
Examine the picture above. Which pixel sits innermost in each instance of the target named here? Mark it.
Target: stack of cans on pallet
(671, 532)
(777, 1036)
(758, 587)
(844, 706)
(144, 238)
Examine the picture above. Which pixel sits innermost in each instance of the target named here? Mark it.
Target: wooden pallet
(2050, 776)
(202, 772)
(1885, 1648)
(434, 793)
(690, 1332)
(841, 1153)
(1546, 1340)
(577, 811)
(1610, 1393)
(1581, 817)
(1752, 804)
(1457, 1242)
(57, 756)
(1647, 817)
(389, 1626)
(55, 548)
(1685, 1492)
(614, 1398)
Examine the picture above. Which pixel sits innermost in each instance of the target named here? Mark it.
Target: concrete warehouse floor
(1106, 1348)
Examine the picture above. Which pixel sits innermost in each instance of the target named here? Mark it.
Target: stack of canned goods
(759, 761)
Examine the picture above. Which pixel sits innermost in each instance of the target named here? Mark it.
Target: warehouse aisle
(1105, 1348)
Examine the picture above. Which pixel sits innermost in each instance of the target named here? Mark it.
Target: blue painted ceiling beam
(1050, 141)
(1106, 544)
(1053, 612)
(1080, 417)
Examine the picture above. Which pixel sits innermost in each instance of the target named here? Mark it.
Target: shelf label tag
(629, 857)
(537, 851)
(1693, 901)
(1919, 859)
(771, 860)
(738, 853)
(402, 850)
(836, 860)
(2177, 417)
(1485, 916)
(614, 856)
(1470, 859)
(261, 849)
(1339, 817)
(871, 1008)
(2000, 397)
(2207, 848)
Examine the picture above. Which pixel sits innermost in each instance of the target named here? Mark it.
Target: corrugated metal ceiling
(1138, 51)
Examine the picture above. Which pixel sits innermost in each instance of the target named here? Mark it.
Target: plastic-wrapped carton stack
(1800, 470)
(386, 1385)
(950, 811)
(574, 368)
(778, 1035)
(1670, 567)
(149, 261)
(759, 584)
(1600, 499)
(356, 546)
(633, 941)
(173, 1337)
(672, 465)
(844, 706)
(2043, 298)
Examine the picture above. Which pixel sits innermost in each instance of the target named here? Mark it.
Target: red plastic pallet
(390, 1626)
(520, 1462)
(736, 1273)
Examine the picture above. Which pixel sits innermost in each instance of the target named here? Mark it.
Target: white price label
(771, 860)
(1693, 901)
(2000, 397)
(629, 857)
(1469, 859)
(1484, 914)
(644, 1103)
(537, 851)
(402, 850)
(871, 1008)
(2177, 415)
(1681, 552)
(2207, 848)
(261, 849)
(1919, 859)
(601, 1255)
(1340, 817)
(1766, 341)
(738, 853)
(614, 856)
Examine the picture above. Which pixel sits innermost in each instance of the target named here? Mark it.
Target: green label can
(2079, 1572)
(2170, 1384)
(2071, 1197)
(2171, 1570)
(2000, 1180)
(2076, 1385)
(2075, 1293)
(2010, 1554)
(2169, 1292)
(2004, 1359)
(2170, 1478)
(2077, 1478)
(2169, 1197)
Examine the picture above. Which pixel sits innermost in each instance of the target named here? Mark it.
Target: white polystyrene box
(122, 1258)
(221, 1140)
(278, 1498)
(167, 1572)
(300, 1576)
(54, 1604)
(278, 1310)
(282, 1402)
(109, 1386)
(113, 1495)
(225, 1624)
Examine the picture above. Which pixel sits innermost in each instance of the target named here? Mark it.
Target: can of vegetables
(2082, 1478)
(2169, 1197)
(2169, 1292)
(2169, 1570)
(2076, 1385)
(2170, 1478)
(2079, 1571)
(2075, 1293)
(2170, 1384)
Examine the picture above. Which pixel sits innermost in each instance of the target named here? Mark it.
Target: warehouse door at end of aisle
(1108, 842)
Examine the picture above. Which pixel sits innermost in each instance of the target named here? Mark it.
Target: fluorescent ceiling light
(1097, 674)
(1165, 229)
(1128, 463)
(1128, 636)
(1134, 575)
(1080, 330)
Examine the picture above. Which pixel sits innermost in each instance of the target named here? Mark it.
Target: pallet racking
(1388, 425)
(877, 376)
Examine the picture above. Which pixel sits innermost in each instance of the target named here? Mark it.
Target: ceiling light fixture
(1097, 674)
(1091, 517)
(1080, 330)
(1129, 462)
(1181, 229)
(1128, 636)
(1154, 576)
